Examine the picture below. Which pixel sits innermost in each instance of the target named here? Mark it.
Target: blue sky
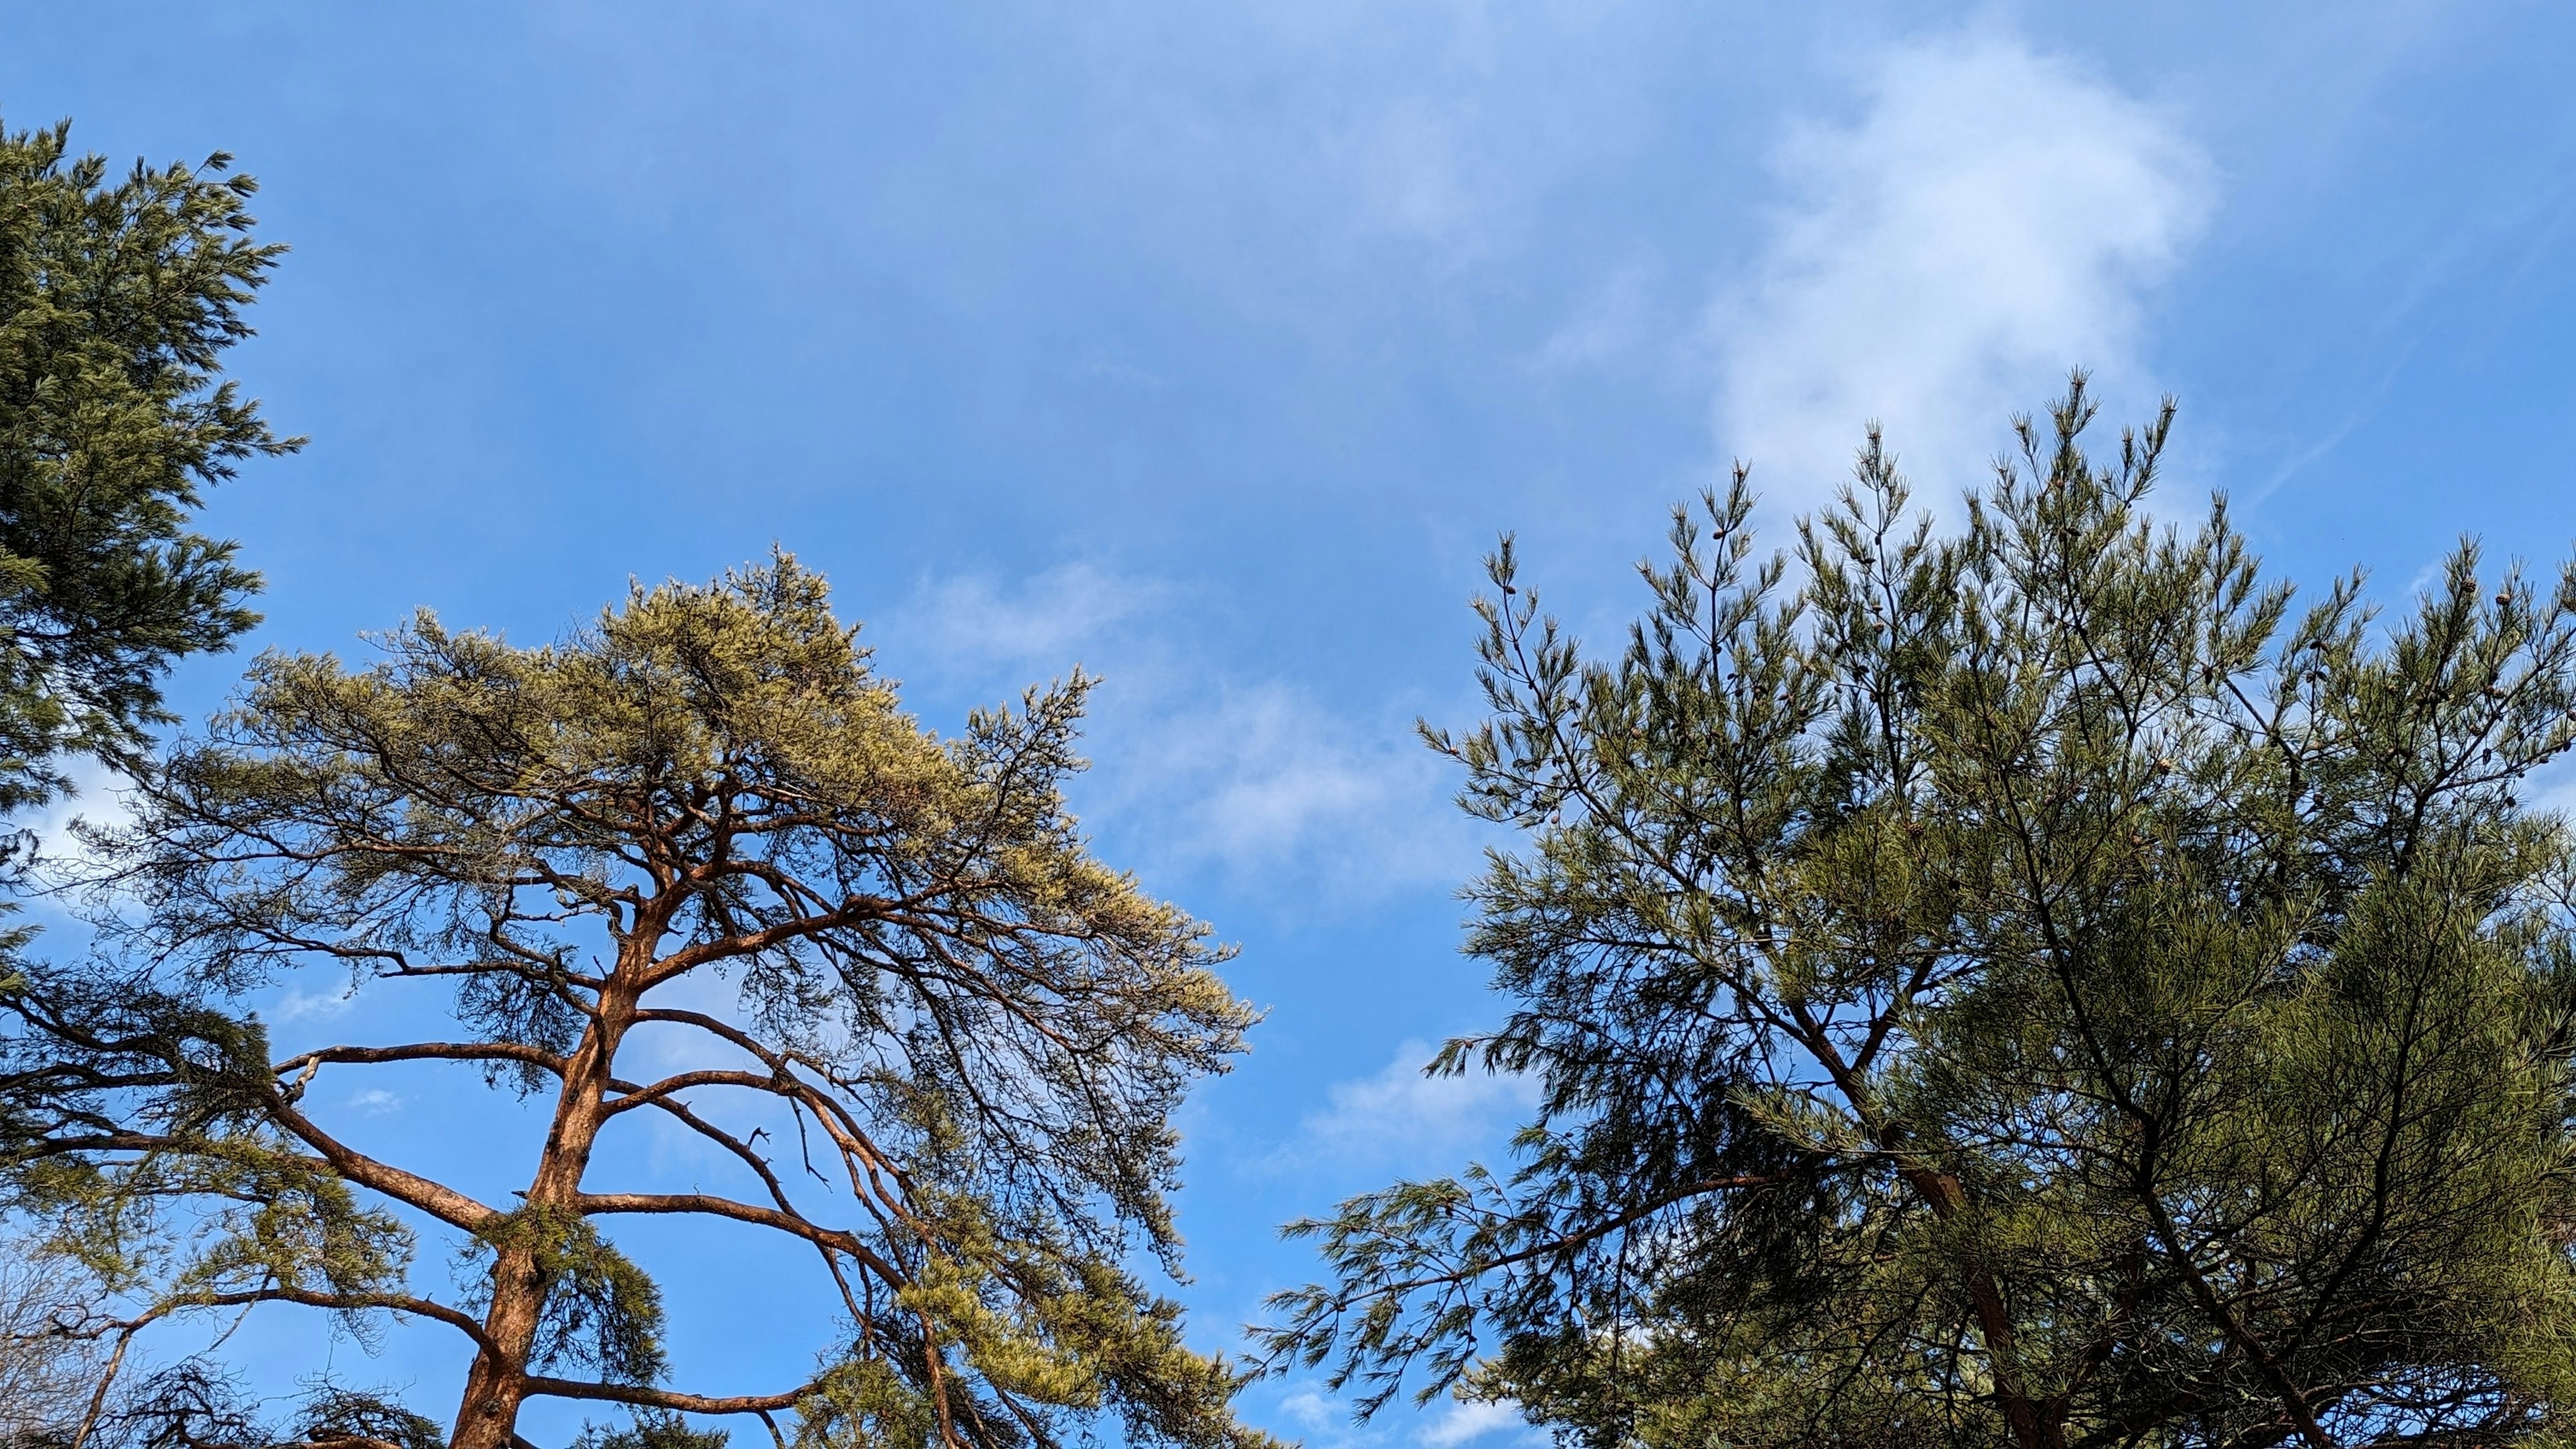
(1210, 346)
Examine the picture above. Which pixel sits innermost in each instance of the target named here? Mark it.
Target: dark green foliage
(2021, 987)
(369, 1420)
(601, 1312)
(651, 1430)
(116, 301)
(138, 1129)
(208, 1070)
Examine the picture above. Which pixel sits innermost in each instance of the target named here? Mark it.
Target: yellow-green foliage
(981, 1028)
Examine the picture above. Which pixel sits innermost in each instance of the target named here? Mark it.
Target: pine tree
(2027, 985)
(942, 996)
(117, 301)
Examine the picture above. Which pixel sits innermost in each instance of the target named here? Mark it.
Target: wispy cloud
(96, 798)
(1459, 1422)
(1261, 778)
(1311, 1408)
(1463, 1422)
(376, 1102)
(297, 1004)
(1045, 619)
(1201, 768)
(1399, 1118)
(1995, 216)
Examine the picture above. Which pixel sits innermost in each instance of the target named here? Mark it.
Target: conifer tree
(2028, 985)
(117, 301)
(967, 1032)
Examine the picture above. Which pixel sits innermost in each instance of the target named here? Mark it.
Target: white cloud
(1994, 218)
(1465, 1421)
(376, 1102)
(1400, 1116)
(1263, 779)
(1255, 778)
(1311, 1409)
(300, 1005)
(1459, 1422)
(96, 797)
(1040, 620)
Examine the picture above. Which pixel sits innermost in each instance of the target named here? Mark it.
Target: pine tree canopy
(116, 302)
(2026, 985)
(954, 1042)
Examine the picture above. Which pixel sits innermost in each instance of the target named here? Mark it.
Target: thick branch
(436, 1199)
(647, 1095)
(652, 1398)
(351, 1302)
(500, 1051)
(791, 1223)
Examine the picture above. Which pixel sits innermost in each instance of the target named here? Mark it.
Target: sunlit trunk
(488, 1416)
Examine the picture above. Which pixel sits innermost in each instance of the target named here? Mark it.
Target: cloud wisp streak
(1398, 1119)
(1252, 778)
(1043, 620)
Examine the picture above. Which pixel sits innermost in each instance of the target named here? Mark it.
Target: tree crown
(937, 985)
(2021, 985)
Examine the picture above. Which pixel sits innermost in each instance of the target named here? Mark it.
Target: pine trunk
(488, 1416)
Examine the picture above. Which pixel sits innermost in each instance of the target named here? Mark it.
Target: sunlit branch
(436, 1199)
(651, 1398)
(426, 1051)
(786, 1221)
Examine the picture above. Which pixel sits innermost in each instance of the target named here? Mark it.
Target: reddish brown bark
(498, 1384)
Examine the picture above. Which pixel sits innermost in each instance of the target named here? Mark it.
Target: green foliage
(93, 1035)
(2027, 986)
(208, 1201)
(866, 1400)
(651, 1430)
(359, 1417)
(599, 1310)
(1077, 1333)
(116, 301)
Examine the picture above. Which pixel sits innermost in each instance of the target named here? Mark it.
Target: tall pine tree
(2028, 985)
(938, 1042)
(119, 296)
